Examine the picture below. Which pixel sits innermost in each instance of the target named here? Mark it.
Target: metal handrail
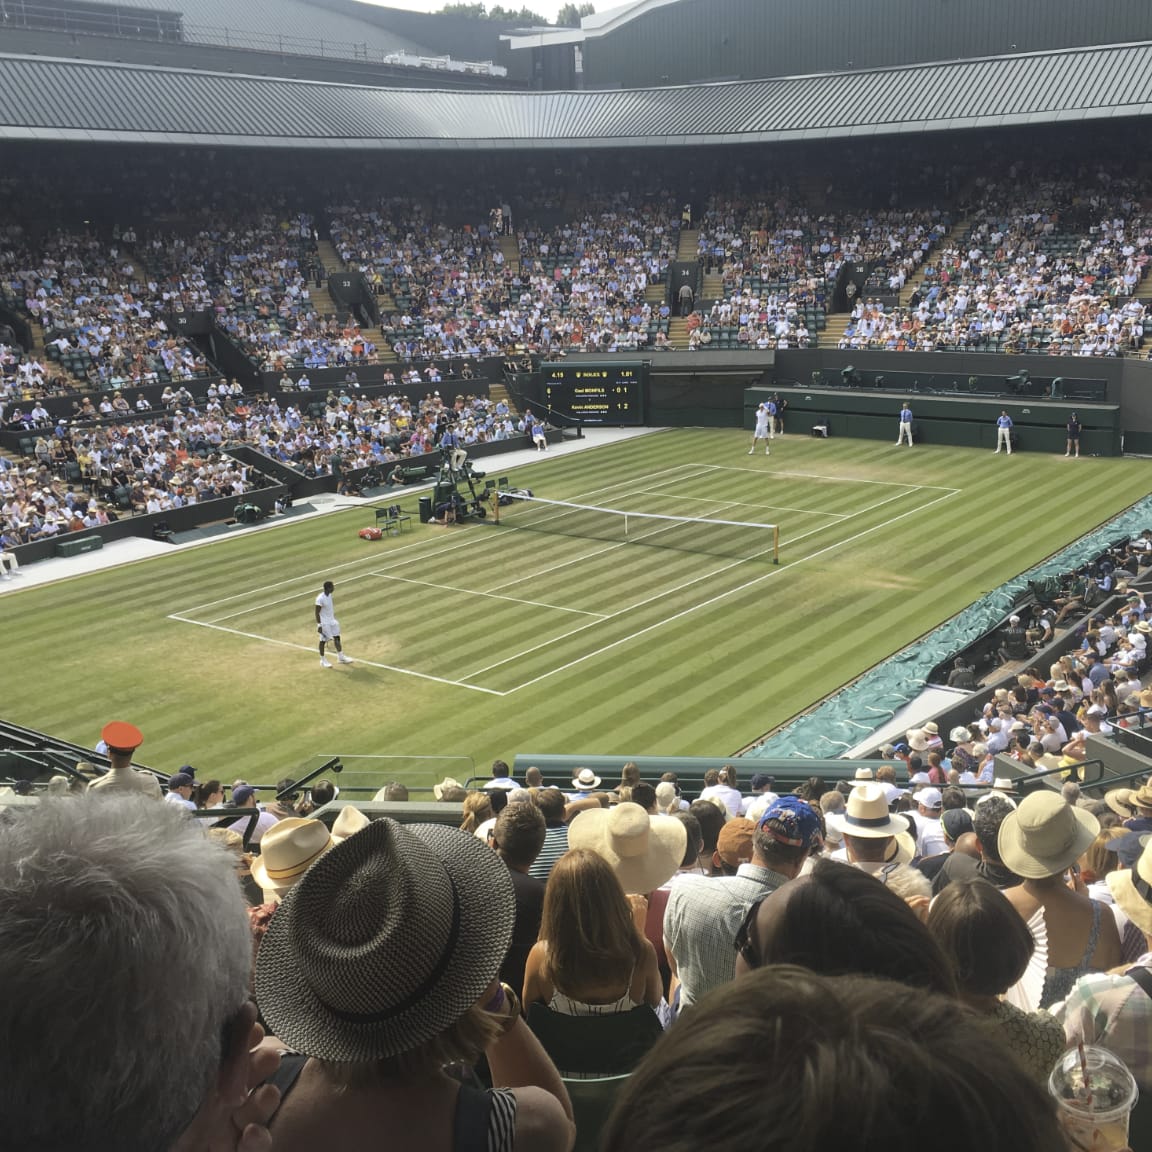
(1024, 782)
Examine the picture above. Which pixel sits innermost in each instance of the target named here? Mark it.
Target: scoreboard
(596, 393)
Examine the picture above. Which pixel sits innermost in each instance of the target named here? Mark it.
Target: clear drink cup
(1094, 1109)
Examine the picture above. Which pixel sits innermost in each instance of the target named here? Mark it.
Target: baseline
(358, 660)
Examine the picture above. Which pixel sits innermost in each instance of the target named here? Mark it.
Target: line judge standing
(905, 432)
(1073, 446)
(1004, 431)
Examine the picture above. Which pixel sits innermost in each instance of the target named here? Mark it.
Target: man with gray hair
(126, 964)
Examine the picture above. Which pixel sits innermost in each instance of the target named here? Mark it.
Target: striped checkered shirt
(555, 845)
(1114, 1012)
(701, 922)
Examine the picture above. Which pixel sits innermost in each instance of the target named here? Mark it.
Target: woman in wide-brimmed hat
(379, 968)
(1041, 841)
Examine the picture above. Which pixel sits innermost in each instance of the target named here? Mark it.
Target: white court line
(491, 595)
(358, 660)
(769, 507)
(724, 595)
(267, 604)
(417, 544)
(833, 479)
(563, 564)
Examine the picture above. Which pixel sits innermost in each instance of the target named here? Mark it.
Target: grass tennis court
(481, 640)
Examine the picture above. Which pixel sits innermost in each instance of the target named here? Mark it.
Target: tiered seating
(103, 327)
(1045, 273)
(255, 275)
(580, 285)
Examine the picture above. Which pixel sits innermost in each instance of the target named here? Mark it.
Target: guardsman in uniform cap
(122, 740)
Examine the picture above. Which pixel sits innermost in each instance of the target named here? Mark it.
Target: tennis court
(562, 584)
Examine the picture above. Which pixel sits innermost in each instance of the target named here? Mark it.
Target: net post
(775, 543)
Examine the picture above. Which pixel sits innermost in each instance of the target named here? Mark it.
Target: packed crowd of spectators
(580, 284)
(783, 240)
(255, 275)
(102, 326)
(79, 477)
(1042, 269)
(954, 936)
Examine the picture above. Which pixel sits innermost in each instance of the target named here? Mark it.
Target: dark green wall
(710, 39)
(1039, 427)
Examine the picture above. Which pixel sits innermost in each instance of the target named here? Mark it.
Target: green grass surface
(474, 641)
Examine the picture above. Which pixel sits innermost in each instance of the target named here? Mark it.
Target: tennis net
(738, 539)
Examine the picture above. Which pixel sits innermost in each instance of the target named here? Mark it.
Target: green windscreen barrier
(853, 714)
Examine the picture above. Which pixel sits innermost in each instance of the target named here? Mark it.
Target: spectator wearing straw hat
(584, 781)
(287, 851)
(377, 1004)
(121, 740)
(1140, 799)
(1040, 842)
(1114, 1010)
(873, 838)
(704, 914)
(644, 851)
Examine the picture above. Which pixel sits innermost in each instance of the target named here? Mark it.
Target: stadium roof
(48, 99)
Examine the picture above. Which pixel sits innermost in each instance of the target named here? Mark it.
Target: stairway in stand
(832, 334)
(689, 244)
(656, 293)
(678, 332)
(713, 287)
(511, 249)
(958, 229)
(329, 257)
(497, 392)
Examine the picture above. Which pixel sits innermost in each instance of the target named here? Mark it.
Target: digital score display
(596, 393)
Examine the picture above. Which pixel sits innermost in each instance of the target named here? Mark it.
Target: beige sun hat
(1132, 889)
(863, 776)
(917, 741)
(350, 821)
(1120, 801)
(866, 815)
(1141, 798)
(1044, 836)
(644, 851)
(932, 728)
(287, 851)
(448, 784)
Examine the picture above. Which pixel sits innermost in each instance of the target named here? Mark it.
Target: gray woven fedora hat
(386, 942)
